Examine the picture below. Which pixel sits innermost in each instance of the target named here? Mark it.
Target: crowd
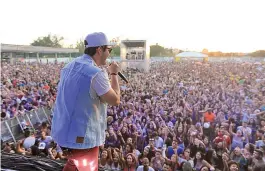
(27, 86)
(179, 116)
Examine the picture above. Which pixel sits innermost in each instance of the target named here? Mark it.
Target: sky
(225, 25)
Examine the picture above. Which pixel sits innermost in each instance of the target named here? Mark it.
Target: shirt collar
(90, 58)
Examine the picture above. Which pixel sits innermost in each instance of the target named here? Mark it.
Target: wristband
(113, 74)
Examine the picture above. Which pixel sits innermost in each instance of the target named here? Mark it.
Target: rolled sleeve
(101, 83)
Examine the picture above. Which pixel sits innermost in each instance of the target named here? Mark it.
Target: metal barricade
(24, 121)
(13, 129)
(6, 134)
(34, 119)
(48, 111)
(42, 115)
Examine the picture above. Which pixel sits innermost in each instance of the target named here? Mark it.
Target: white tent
(191, 55)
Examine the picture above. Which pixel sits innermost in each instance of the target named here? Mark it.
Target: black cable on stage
(18, 162)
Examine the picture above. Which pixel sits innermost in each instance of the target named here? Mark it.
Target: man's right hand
(113, 68)
(112, 97)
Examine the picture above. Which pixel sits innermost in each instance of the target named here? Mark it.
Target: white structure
(135, 54)
(35, 49)
(9, 51)
(191, 56)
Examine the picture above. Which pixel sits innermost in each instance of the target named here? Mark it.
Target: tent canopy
(191, 55)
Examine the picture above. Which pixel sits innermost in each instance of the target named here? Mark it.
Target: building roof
(134, 43)
(35, 49)
(191, 55)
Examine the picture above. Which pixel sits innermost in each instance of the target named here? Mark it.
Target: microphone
(123, 77)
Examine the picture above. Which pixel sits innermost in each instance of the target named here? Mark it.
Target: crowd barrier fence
(13, 129)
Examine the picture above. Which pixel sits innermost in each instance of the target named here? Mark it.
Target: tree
(116, 47)
(181, 51)
(156, 50)
(168, 52)
(80, 44)
(259, 53)
(205, 51)
(116, 51)
(71, 46)
(48, 41)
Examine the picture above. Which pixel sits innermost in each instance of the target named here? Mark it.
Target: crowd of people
(178, 116)
(27, 86)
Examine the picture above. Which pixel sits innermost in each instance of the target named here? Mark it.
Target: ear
(98, 50)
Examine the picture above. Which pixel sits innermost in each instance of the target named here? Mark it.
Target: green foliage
(223, 54)
(71, 46)
(80, 45)
(259, 53)
(116, 51)
(48, 41)
(157, 50)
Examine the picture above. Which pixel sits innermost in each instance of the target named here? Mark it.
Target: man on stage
(80, 112)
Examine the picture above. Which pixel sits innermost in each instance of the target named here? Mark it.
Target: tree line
(155, 50)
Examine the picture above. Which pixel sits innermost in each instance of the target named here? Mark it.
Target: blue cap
(96, 39)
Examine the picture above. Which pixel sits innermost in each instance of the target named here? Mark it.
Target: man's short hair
(91, 51)
(232, 162)
(176, 140)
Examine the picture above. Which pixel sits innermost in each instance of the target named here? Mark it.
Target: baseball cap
(96, 39)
